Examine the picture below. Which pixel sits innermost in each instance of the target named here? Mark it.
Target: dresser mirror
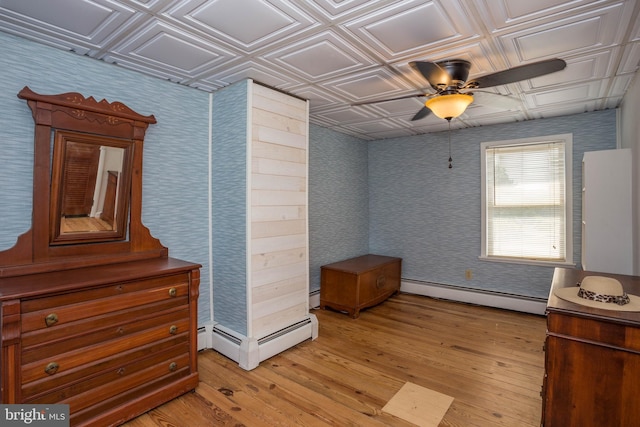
(87, 186)
(90, 187)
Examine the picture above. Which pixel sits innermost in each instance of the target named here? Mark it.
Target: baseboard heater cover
(314, 299)
(505, 301)
(249, 352)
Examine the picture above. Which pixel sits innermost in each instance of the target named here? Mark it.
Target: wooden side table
(360, 282)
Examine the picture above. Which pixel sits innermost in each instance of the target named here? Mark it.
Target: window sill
(528, 262)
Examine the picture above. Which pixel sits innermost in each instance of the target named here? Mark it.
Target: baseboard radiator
(475, 296)
(249, 352)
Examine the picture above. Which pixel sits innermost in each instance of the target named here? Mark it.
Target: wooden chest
(110, 341)
(360, 282)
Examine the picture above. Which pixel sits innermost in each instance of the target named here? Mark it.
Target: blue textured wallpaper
(229, 206)
(175, 169)
(338, 199)
(430, 215)
(392, 197)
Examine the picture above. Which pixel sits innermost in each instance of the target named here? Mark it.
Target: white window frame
(568, 154)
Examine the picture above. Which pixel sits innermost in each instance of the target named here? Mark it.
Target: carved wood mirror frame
(72, 117)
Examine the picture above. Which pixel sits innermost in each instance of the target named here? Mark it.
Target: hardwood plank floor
(489, 360)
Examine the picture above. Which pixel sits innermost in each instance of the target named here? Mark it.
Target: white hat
(600, 292)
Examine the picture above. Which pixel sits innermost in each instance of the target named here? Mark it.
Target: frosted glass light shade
(449, 106)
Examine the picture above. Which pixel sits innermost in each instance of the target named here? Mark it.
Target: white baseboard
(204, 336)
(248, 352)
(314, 299)
(473, 296)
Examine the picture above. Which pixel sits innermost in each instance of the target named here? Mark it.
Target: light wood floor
(490, 361)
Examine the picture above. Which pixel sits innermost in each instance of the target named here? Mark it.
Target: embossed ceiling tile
(320, 56)
(501, 14)
(564, 110)
(318, 98)
(618, 86)
(411, 26)
(372, 126)
(250, 70)
(579, 93)
(630, 58)
(591, 30)
(162, 46)
(245, 24)
(345, 115)
(399, 107)
(579, 69)
(477, 112)
(371, 84)
(333, 9)
(78, 25)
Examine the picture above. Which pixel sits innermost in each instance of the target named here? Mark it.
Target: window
(527, 201)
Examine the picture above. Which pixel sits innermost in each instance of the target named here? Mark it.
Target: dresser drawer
(53, 311)
(85, 358)
(172, 321)
(42, 386)
(109, 321)
(595, 331)
(81, 394)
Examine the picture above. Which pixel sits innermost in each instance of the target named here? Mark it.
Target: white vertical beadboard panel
(278, 167)
(269, 150)
(249, 153)
(273, 322)
(278, 243)
(280, 137)
(278, 258)
(279, 273)
(306, 205)
(270, 291)
(276, 228)
(274, 213)
(279, 198)
(281, 182)
(276, 121)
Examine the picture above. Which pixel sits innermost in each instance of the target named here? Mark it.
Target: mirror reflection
(89, 188)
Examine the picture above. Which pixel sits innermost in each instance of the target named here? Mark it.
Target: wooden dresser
(592, 360)
(360, 282)
(109, 341)
(96, 316)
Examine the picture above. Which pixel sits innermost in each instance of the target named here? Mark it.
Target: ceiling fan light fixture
(449, 106)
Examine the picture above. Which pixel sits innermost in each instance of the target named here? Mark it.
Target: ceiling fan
(453, 90)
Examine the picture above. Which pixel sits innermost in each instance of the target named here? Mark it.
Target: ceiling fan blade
(375, 101)
(424, 112)
(496, 100)
(435, 75)
(516, 74)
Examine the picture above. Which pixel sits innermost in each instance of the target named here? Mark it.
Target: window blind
(525, 201)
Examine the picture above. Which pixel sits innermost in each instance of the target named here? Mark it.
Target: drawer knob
(173, 366)
(51, 368)
(173, 330)
(173, 292)
(51, 319)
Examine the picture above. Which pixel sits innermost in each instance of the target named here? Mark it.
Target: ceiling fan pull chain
(450, 166)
